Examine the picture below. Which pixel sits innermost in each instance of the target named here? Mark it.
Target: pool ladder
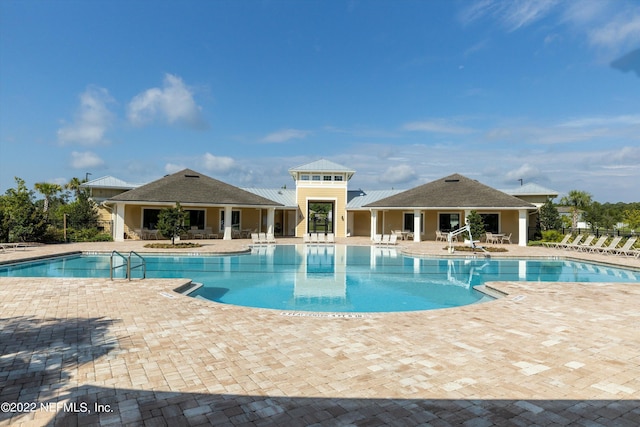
(127, 263)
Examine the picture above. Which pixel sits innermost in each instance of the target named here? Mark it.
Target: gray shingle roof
(454, 191)
(188, 186)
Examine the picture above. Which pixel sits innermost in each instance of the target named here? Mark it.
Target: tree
(476, 225)
(631, 217)
(74, 185)
(21, 220)
(549, 217)
(171, 222)
(49, 191)
(577, 200)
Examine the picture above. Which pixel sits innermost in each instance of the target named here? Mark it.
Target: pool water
(333, 278)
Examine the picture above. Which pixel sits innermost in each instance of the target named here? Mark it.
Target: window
(150, 218)
(409, 222)
(235, 220)
(491, 222)
(315, 178)
(304, 177)
(449, 221)
(337, 178)
(195, 218)
(326, 178)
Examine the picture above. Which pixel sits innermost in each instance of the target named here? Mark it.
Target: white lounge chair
(626, 248)
(314, 238)
(331, 238)
(564, 241)
(393, 239)
(573, 242)
(320, 237)
(270, 238)
(255, 238)
(613, 245)
(377, 238)
(587, 242)
(262, 237)
(595, 246)
(306, 238)
(385, 239)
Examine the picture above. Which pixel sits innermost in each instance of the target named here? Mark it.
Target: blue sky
(404, 92)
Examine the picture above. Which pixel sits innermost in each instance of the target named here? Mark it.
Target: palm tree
(48, 190)
(577, 200)
(74, 185)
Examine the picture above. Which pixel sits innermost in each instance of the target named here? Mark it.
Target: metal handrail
(111, 267)
(143, 264)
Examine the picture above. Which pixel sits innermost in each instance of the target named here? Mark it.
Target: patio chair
(393, 239)
(262, 237)
(564, 241)
(595, 246)
(255, 238)
(386, 238)
(320, 238)
(573, 242)
(626, 248)
(270, 238)
(587, 242)
(506, 238)
(440, 236)
(306, 238)
(614, 244)
(377, 239)
(331, 238)
(314, 238)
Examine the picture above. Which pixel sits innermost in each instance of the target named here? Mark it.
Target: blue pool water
(334, 278)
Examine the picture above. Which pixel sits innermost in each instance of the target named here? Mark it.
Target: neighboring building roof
(322, 165)
(283, 196)
(357, 199)
(531, 189)
(109, 182)
(453, 191)
(188, 186)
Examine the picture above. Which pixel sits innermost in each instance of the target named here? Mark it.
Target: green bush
(552, 236)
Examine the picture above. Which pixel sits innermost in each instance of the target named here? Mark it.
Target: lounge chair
(614, 244)
(393, 239)
(564, 241)
(578, 246)
(385, 239)
(314, 238)
(573, 242)
(306, 238)
(255, 238)
(270, 238)
(377, 239)
(331, 238)
(595, 246)
(626, 248)
(320, 238)
(262, 237)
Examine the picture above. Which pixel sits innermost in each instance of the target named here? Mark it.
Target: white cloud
(84, 160)
(398, 174)
(285, 135)
(218, 164)
(92, 120)
(525, 172)
(171, 168)
(174, 103)
(621, 30)
(437, 126)
(513, 14)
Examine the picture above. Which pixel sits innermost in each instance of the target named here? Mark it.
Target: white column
(118, 222)
(271, 215)
(227, 222)
(374, 222)
(523, 227)
(417, 224)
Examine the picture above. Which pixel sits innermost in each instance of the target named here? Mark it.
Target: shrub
(551, 236)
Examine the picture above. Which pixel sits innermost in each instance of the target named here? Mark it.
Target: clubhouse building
(320, 202)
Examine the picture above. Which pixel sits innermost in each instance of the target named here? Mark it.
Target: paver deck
(96, 352)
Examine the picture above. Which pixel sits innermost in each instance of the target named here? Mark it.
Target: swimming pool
(334, 278)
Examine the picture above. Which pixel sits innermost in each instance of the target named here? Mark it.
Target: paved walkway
(95, 352)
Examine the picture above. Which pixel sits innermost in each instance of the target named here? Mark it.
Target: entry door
(320, 217)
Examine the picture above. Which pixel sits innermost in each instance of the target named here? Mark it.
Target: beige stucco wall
(361, 223)
(337, 195)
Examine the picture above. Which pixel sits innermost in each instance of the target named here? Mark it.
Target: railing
(143, 264)
(127, 264)
(112, 267)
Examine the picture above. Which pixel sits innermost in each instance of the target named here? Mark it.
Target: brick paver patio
(96, 352)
